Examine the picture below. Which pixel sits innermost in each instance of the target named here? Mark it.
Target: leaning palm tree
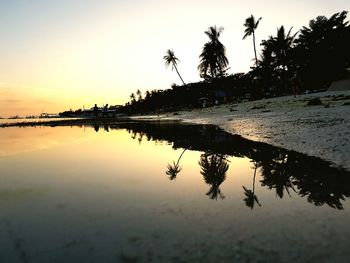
(171, 59)
(250, 26)
(213, 60)
(174, 169)
(250, 197)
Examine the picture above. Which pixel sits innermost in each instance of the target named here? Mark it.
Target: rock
(314, 102)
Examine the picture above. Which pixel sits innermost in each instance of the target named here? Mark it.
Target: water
(20, 120)
(165, 193)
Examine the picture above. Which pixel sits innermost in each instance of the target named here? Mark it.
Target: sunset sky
(57, 55)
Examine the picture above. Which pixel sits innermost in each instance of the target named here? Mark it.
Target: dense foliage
(289, 62)
(308, 59)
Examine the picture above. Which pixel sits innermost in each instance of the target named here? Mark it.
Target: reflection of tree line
(213, 168)
(280, 169)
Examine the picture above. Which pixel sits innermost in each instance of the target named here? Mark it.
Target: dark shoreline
(72, 122)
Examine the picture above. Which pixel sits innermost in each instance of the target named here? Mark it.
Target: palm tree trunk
(254, 178)
(256, 58)
(180, 156)
(179, 75)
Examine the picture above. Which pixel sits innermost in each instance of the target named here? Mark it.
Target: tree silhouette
(278, 50)
(213, 60)
(250, 197)
(174, 169)
(132, 97)
(250, 26)
(171, 59)
(139, 95)
(277, 174)
(213, 169)
(322, 50)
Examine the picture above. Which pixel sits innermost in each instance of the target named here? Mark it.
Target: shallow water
(165, 193)
(25, 120)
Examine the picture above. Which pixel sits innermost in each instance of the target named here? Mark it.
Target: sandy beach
(289, 122)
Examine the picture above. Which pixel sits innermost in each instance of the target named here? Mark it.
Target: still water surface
(165, 193)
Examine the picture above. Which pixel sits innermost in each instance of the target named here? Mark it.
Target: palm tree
(250, 26)
(213, 60)
(174, 169)
(139, 94)
(282, 44)
(213, 169)
(279, 49)
(278, 174)
(171, 59)
(250, 197)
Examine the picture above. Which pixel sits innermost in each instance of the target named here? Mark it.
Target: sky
(70, 54)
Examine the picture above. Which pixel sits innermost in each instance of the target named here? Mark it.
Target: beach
(316, 124)
(289, 122)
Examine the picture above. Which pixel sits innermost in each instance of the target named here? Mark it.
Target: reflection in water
(213, 169)
(174, 169)
(281, 170)
(277, 175)
(250, 197)
(96, 197)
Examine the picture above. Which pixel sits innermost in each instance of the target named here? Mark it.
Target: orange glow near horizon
(69, 54)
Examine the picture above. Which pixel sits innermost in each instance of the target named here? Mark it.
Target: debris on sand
(314, 102)
(258, 107)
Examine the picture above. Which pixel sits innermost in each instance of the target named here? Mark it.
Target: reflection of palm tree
(250, 27)
(250, 197)
(171, 59)
(174, 169)
(278, 175)
(213, 169)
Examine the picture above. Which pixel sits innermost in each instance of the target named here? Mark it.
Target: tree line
(289, 62)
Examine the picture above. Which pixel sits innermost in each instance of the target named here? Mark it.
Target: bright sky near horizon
(57, 55)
